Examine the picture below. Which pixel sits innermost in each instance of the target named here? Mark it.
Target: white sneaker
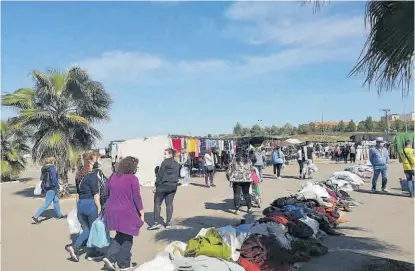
(278, 178)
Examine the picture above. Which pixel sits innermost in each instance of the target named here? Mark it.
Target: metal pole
(404, 115)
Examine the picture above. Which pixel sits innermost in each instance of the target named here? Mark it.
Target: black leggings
(353, 158)
(301, 164)
(120, 250)
(277, 169)
(237, 188)
(168, 197)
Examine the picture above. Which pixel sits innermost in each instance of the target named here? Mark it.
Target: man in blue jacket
(379, 158)
(278, 160)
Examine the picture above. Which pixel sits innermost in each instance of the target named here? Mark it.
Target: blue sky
(199, 67)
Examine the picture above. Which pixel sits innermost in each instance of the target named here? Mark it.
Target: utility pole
(404, 115)
(386, 118)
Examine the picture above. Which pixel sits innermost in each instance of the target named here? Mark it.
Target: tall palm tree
(62, 108)
(13, 148)
(387, 56)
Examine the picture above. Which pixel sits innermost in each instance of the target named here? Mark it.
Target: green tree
(275, 130)
(245, 131)
(62, 108)
(287, 129)
(341, 127)
(398, 125)
(303, 129)
(256, 130)
(370, 124)
(237, 130)
(381, 126)
(267, 131)
(13, 147)
(387, 56)
(361, 127)
(312, 127)
(351, 127)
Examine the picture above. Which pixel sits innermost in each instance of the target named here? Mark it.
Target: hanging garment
(191, 147)
(221, 145)
(182, 143)
(197, 147)
(177, 144)
(202, 147)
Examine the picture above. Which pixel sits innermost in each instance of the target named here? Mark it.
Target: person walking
(186, 164)
(166, 187)
(407, 158)
(123, 213)
(88, 206)
(278, 160)
(301, 159)
(239, 175)
(209, 168)
(259, 162)
(346, 153)
(379, 158)
(352, 154)
(50, 186)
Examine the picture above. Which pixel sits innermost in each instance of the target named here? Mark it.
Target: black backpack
(46, 178)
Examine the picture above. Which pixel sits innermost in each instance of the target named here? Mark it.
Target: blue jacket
(378, 157)
(278, 157)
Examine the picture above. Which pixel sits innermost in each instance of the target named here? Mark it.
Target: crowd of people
(117, 199)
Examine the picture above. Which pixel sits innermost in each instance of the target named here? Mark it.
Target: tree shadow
(346, 260)
(28, 192)
(224, 206)
(187, 228)
(367, 191)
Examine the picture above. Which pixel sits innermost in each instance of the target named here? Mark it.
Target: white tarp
(293, 141)
(149, 151)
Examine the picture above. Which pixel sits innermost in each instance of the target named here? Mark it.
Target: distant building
(409, 116)
(391, 117)
(328, 123)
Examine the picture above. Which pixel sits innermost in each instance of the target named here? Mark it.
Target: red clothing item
(177, 144)
(248, 266)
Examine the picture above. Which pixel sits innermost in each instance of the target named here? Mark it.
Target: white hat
(379, 139)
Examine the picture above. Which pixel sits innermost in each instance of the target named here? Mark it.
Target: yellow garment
(191, 146)
(408, 165)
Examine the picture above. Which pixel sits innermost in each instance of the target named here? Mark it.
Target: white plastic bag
(73, 222)
(176, 248)
(38, 189)
(182, 172)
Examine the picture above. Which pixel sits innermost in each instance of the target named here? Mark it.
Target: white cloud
(290, 23)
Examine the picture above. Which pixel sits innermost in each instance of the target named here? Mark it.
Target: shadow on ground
(225, 206)
(28, 192)
(343, 260)
(367, 191)
(187, 228)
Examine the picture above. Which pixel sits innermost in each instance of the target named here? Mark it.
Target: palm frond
(388, 53)
(317, 4)
(20, 99)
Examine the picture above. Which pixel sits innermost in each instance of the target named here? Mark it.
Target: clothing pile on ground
(363, 171)
(345, 180)
(290, 233)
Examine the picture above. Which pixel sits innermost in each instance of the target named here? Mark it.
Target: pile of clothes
(363, 171)
(345, 180)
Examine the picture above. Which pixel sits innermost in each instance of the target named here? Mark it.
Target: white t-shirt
(208, 160)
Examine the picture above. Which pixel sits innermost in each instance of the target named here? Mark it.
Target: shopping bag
(38, 189)
(182, 172)
(73, 222)
(99, 237)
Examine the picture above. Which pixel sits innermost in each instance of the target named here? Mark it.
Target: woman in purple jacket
(123, 213)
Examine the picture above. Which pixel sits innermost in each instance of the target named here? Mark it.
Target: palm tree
(62, 108)
(13, 147)
(387, 56)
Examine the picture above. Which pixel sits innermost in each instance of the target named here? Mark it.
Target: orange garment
(248, 266)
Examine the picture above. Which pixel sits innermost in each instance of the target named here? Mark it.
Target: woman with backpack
(50, 186)
(89, 206)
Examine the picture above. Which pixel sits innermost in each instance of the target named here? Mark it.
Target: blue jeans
(51, 196)
(260, 172)
(87, 213)
(410, 179)
(377, 170)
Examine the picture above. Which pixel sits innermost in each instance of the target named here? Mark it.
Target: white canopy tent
(149, 151)
(293, 141)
